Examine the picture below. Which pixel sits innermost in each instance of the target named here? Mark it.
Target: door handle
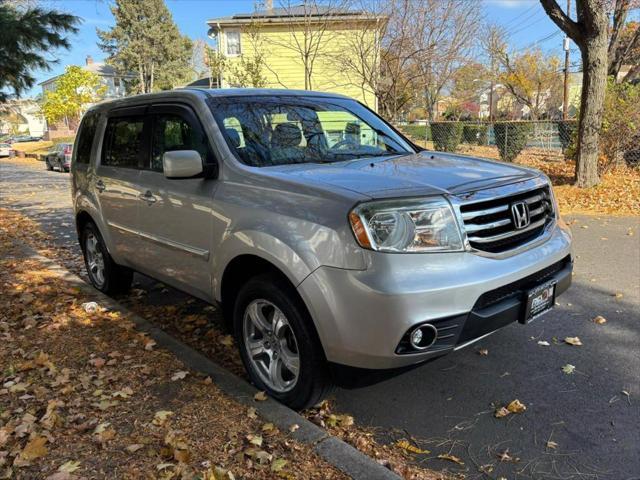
(100, 186)
(148, 197)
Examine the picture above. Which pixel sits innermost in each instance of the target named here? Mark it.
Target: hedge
(475, 133)
(416, 132)
(511, 138)
(446, 135)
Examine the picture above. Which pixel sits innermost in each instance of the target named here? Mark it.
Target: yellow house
(309, 47)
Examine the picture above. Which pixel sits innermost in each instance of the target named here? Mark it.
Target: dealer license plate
(539, 301)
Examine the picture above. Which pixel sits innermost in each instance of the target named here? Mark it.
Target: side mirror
(182, 164)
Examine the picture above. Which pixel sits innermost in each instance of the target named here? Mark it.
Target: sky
(525, 20)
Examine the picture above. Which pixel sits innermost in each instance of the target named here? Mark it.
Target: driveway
(582, 425)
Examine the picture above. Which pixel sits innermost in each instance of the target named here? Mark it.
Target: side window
(173, 132)
(124, 142)
(85, 139)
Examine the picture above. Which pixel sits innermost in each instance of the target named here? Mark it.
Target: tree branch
(561, 19)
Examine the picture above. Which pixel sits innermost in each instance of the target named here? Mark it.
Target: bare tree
(444, 38)
(624, 41)
(311, 28)
(493, 43)
(590, 33)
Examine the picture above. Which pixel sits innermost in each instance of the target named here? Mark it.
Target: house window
(233, 42)
(116, 82)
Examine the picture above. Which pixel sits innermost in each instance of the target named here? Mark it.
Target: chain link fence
(545, 139)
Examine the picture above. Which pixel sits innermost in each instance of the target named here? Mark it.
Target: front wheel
(48, 164)
(278, 343)
(105, 274)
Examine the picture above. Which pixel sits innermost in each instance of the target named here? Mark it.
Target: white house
(115, 82)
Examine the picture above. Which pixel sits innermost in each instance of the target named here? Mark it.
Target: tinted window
(124, 142)
(284, 130)
(85, 138)
(173, 132)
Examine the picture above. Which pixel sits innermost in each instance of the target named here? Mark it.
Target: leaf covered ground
(85, 395)
(114, 420)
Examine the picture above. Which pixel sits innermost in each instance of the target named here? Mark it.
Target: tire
(113, 278)
(269, 292)
(48, 164)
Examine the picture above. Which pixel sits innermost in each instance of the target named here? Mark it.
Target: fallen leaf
(504, 456)
(255, 440)
(568, 369)
(252, 413)
(134, 447)
(501, 412)
(451, 458)
(294, 427)
(69, 467)
(483, 351)
(34, 449)
(552, 444)
(179, 375)
(516, 406)
(409, 447)
(260, 397)
(227, 340)
(278, 464)
(600, 320)
(573, 341)
(618, 295)
(161, 417)
(544, 343)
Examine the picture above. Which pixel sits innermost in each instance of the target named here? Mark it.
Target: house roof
(99, 68)
(283, 15)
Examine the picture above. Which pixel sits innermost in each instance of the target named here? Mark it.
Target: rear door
(117, 180)
(175, 217)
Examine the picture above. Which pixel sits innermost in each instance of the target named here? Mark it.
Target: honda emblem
(520, 214)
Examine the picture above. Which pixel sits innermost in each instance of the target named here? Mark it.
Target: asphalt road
(592, 416)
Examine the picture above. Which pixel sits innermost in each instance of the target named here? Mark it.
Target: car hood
(423, 173)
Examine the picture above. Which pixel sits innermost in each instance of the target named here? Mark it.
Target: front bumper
(363, 316)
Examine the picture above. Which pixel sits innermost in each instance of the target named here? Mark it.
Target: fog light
(423, 337)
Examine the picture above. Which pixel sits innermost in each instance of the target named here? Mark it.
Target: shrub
(446, 135)
(475, 133)
(511, 138)
(619, 137)
(416, 132)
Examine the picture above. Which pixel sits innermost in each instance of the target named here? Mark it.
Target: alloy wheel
(271, 345)
(95, 259)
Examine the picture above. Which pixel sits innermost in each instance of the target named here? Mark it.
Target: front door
(116, 181)
(175, 219)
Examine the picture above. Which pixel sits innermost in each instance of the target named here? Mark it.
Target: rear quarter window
(85, 138)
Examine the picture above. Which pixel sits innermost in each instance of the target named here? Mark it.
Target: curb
(334, 451)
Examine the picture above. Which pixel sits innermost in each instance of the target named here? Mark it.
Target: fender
(265, 246)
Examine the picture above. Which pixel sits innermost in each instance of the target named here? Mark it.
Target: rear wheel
(278, 343)
(106, 275)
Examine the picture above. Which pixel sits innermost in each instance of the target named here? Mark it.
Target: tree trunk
(594, 85)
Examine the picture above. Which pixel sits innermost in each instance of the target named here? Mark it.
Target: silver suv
(327, 237)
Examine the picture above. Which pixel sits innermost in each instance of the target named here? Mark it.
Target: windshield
(280, 130)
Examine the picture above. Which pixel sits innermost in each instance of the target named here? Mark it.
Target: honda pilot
(326, 236)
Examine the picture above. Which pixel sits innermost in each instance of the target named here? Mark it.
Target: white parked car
(5, 150)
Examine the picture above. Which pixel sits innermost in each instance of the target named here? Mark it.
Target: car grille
(490, 226)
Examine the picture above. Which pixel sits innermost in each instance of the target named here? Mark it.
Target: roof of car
(210, 93)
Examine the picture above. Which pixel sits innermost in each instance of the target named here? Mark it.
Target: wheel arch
(240, 270)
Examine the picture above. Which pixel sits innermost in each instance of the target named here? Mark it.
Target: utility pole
(565, 102)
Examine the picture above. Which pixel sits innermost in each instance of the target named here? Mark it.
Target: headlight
(423, 225)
